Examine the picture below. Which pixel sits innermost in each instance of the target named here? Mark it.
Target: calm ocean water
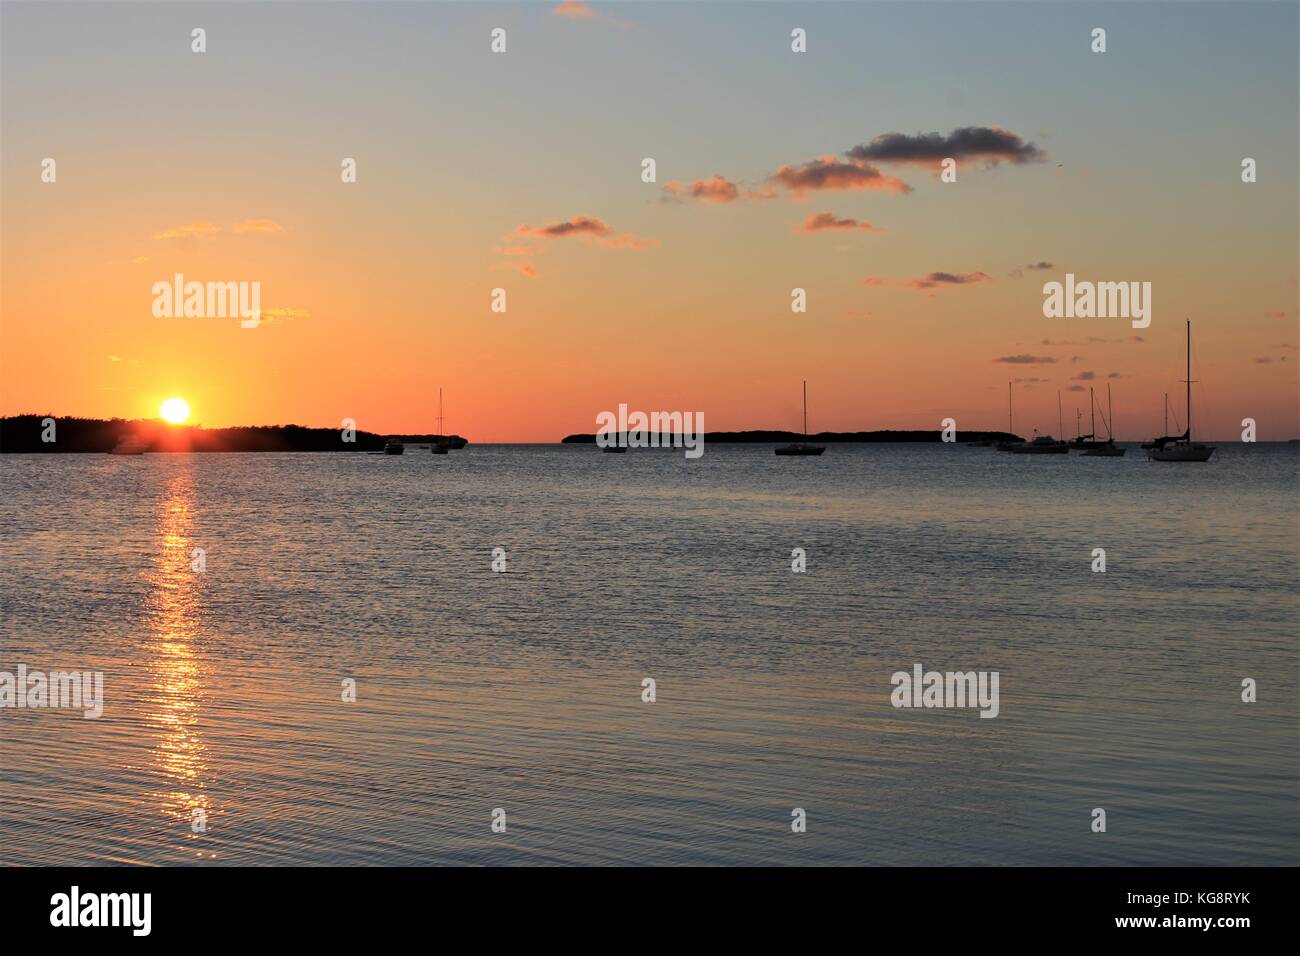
(478, 690)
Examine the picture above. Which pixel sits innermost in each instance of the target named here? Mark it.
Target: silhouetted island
(23, 434)
(766, 437)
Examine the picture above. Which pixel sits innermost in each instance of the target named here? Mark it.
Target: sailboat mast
(1189, 381)
(1110, 413)
(1092, 406)
(1011, 425)
(1166, 431)
(1060, 422)
(805, 410)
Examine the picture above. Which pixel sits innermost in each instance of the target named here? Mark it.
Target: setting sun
(175, 410)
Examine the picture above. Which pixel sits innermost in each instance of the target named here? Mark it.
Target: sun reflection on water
(175, 691)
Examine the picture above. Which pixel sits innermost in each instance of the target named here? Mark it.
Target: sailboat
(1090, 440)
(1183, 449)
(1108, 448)
(440, 447)
(1166, 438)
(802, 447)
(1009, 445)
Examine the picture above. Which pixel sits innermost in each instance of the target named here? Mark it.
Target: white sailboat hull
(1184, 449)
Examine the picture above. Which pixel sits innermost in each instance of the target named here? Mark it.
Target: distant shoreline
(760, 437)
(25, 434)
(22, 434)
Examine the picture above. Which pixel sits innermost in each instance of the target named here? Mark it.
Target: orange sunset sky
(775, 170)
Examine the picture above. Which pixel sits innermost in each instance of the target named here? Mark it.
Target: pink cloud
(715, 190)
(587, 229)
(574, 9)
(933, 280)
(577, 226)
(831, 173)
(828, 222)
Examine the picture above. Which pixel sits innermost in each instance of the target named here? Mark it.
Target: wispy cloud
(948, 278)
(856, 169)
(577, 226)
(200, 228)
(933, 280)
(574, 9)
(629, 241)
(257, 225)
(719, 189)
(992, 144)
(283, 314)
(577, 10)
(1026, 359)
(526, 269)
(589, 229)
(1018, 272)
(829, 222)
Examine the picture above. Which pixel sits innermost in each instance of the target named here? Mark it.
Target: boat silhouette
(1108, 448)
(1182, 448)
(802, 447)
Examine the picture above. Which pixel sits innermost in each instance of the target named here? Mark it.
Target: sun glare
(175, 410)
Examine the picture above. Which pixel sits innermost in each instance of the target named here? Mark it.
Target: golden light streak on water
(176, 687)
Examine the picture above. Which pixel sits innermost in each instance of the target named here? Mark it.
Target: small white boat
(1041, 445)
(1045, 444)
(129, 445)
